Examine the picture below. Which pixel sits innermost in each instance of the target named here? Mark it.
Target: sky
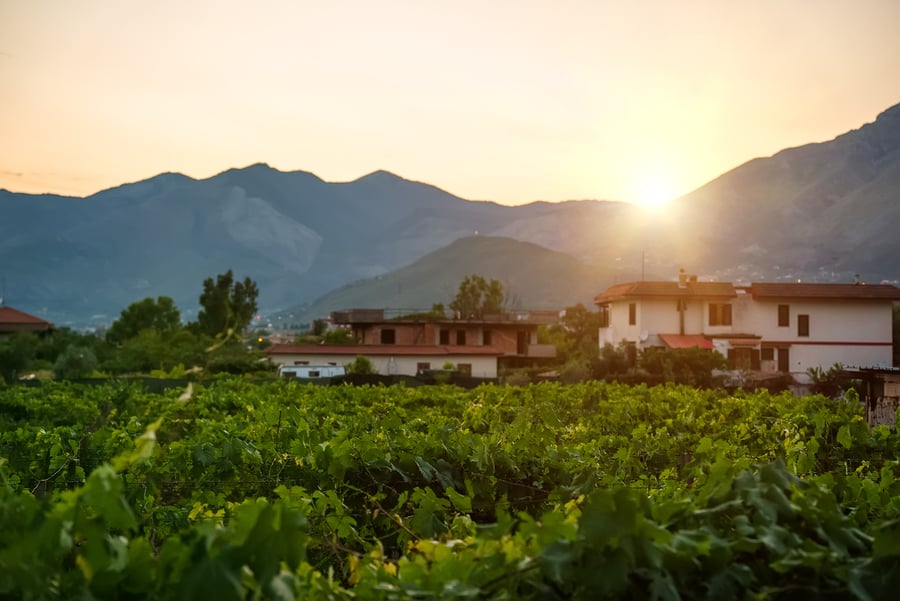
(511, 101)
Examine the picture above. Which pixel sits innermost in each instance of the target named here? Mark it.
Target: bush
(690, 366)
(361, 365)
(234, 359)
(75, 362)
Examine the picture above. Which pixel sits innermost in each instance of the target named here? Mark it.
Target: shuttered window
(719, 314)
(803, 325)
(784, 316)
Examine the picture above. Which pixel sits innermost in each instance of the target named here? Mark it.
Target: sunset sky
(503, 100)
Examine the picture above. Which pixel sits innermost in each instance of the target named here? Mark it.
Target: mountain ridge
(822, 210)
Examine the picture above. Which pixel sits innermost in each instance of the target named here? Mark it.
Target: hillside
(532, 276)
(816, 209)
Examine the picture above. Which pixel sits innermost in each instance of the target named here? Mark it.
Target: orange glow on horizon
(550, 101)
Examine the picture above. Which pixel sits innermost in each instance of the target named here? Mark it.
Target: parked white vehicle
(311, 371)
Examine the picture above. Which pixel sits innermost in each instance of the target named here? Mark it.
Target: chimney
(682, 278)
(693, 279)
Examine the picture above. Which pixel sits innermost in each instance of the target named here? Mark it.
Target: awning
(686, 341)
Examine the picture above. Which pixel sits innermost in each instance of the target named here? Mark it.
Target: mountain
(820, 208)
(821, 211)
(533, 277)
(83, 259)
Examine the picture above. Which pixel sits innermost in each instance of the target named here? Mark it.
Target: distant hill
(821, 211)
(532, 277)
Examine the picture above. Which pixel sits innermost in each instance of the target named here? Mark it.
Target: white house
(475, 361)
(769, 327)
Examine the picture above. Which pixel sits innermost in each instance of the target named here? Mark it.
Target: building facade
(408, 344)
(767, 327)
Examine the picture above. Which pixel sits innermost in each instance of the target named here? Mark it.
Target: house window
(314, 373)
(301, 362)
(604, 316)
(803, 325)
(461, 337)
(464, 369)
(388, 336)
(784, 316)
(719, 314)
(768, 354)
(444, 337)
(422, 366)
(632, 313)
(486, 338)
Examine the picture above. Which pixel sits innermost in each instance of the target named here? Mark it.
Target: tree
(75, 362)
(577, 334)
(54, 343)
(16, 351)
(161, 316)
(228, 306)
(691, 366)
(477, 297)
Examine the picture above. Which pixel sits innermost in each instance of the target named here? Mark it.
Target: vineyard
(590, 491)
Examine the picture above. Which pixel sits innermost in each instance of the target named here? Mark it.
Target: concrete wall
(829, 321)
(658, 317)
(482, 367)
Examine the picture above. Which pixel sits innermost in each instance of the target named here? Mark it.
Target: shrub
(75, 362)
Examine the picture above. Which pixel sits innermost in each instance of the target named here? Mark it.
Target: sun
(654, 194)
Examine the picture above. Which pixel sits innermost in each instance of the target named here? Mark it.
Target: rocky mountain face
(821, 211)
(818, 209)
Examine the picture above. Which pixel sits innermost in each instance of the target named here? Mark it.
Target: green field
(286, 491)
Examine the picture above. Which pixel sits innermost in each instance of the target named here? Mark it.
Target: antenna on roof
(2, 289)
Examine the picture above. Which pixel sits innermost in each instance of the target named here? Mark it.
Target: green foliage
(339, 336)
(160, 316)
(361, 365)
(477, 298)
(577, 334)
(826, 381)
(227, 306)
(235, 358)
(691, 366)
(75, 362)
(615, 361)
(149, 350)
(16, 351)
(319, 327)
(591, 491)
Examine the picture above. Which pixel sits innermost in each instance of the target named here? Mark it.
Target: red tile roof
(716, 290)
(825, 291)
(686, 341)
(380, 349)
(13, 319)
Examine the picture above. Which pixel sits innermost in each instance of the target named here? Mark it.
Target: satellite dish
(644, 335)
